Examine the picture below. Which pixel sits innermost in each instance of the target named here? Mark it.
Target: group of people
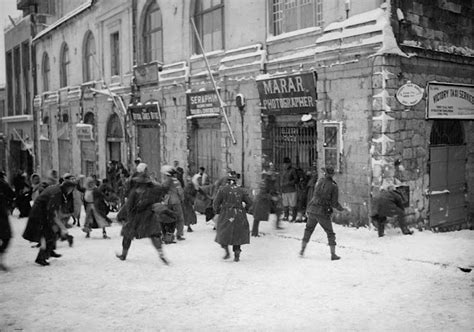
(161, 210)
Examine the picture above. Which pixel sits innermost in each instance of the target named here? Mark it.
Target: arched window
(46, 70)
(90, 64)
(64, 66)
(209, 20)
(153, 34)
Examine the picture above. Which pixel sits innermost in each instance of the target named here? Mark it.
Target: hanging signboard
(450, 101)
(292, 94)
(145, 112)
(203, 102)
(409, 94)
(147, 73)
(84, 132)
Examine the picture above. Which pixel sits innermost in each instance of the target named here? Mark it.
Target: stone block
(407, 153)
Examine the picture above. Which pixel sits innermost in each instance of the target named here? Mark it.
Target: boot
(54, 254)
(380, 228)
(286, 213)
(294, 214)
(237, 255)
(123, 256)
(227, 254)
(70, 240)
(334, 257)
(190, 230)
(41, 258)
(104, 235)
(2, 266)
(406, 231)
(303, 247)
(162, 256)
(255, 227)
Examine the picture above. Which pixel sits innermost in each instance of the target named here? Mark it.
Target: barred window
(332, 144)
(292, 15)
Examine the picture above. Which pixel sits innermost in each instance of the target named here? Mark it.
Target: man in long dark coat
(265, 202)
(45, 220)
(6, 200)
(232, 224)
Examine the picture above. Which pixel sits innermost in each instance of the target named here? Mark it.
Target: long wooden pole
(221, 102)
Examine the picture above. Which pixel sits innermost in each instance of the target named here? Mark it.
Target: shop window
(115, 54)
(64, 63)
(332, 144)
(46, 69)
(90, 62)
(291, 15)
(153, 34)
(209, 20)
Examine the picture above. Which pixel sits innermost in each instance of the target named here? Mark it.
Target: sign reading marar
(203, 102)
(450, 101)
(292, 94)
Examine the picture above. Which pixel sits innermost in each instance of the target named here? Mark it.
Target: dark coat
(266, 199)
(96, 213)
(141, 220)
(232, 224)
(43, 213)
(289, 179)
(190, 193)
(387, 203)
(325, 198)
(6, 198)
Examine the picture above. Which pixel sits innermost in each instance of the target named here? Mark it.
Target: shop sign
(450, 101)
(146, 74)
(145, 113)
(204, 102)
(292, 94)
(84, 132)
(409, 94)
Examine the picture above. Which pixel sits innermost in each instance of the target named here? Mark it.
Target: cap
(138, 160)
(328, 170)
(141, 167)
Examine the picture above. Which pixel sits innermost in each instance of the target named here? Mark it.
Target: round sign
(409, 94)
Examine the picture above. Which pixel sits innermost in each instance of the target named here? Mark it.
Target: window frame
(46, 71)
(89, 74)
(198, 15)
(339, 144)
(115, 54)
(64, 66)
(148, 53)
(277, 15)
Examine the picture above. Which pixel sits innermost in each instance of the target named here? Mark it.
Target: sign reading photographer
(203, 102)
(450, 101)
(292, 94)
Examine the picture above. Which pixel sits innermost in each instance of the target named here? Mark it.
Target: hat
(328, 170)
(167, 170)
(141, 167)
(306, 117)
(286, 160)
(68, 176)
(138, 160)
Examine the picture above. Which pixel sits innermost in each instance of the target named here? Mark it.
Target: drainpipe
(240, 102)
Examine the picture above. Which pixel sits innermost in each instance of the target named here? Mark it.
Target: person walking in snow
(190, 193)
(7, 195)
(265, 202)
(388, 203)
(45, 221)
(325, 199)
(142, 221)
(232, 228)
(174, 198)
(288, 182)
(97, 207)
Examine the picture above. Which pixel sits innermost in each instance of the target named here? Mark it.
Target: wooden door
(149, 147)
(207, 147)
(64, 149)
(447, 185)
(88, 158)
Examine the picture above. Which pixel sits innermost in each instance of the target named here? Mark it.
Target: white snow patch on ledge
(293, 34)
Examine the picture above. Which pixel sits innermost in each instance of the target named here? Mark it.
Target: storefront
(289, 118)
(203, 114)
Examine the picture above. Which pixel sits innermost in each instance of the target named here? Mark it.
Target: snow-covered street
(392, 283)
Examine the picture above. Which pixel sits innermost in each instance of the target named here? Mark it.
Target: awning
(63, 20)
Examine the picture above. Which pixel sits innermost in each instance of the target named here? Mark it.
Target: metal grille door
(297, 143)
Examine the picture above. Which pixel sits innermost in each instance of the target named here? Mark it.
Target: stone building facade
(319, 78)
